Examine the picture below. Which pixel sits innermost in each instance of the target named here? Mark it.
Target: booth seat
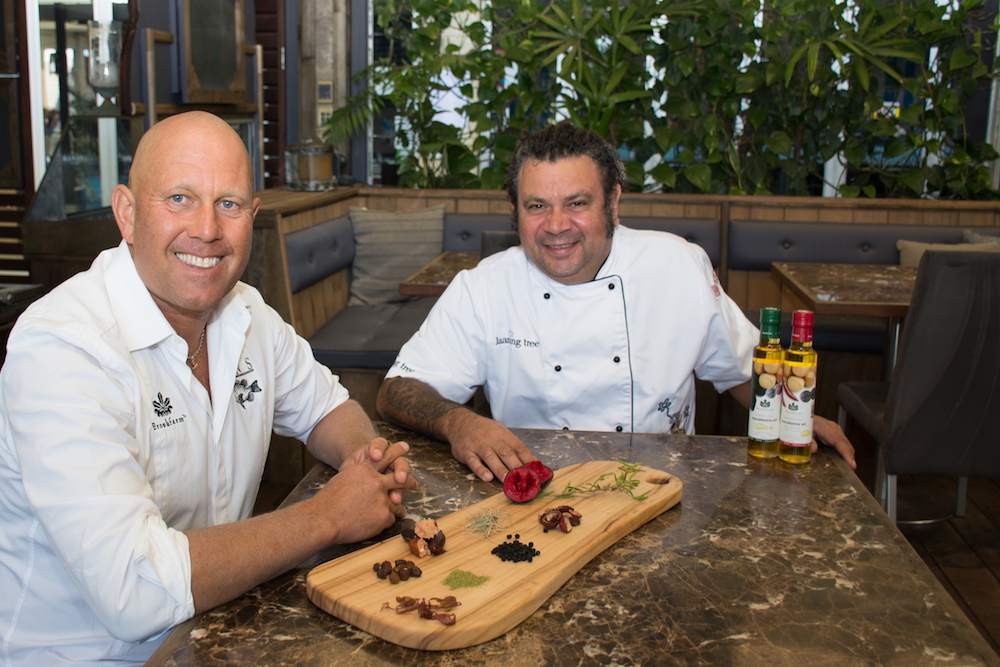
(753, 245)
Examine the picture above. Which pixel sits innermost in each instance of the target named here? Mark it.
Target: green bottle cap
(770, 322)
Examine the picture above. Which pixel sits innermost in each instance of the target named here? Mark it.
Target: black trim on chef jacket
(628, 347)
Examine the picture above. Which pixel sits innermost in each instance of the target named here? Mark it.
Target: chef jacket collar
(140, 320)
(607, 269)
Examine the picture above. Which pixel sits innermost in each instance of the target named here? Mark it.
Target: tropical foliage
(723, 96)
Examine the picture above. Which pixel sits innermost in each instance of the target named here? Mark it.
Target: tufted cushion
(753, 245)
(318, 251)
(705, 232)
(910, 252)
(390, 247)
(369, 336)
(836, 333)
(462, 230)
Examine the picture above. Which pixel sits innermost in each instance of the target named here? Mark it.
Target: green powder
(463, 579)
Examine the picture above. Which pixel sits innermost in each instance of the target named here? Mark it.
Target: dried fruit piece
(418, 546)
(543, 471)
(521, 484)
(426, 528)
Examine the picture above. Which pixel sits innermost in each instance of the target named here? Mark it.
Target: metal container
(309, 166)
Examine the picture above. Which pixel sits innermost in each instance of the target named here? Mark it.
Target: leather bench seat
(753, 245)
(368, 336)
(837, 333)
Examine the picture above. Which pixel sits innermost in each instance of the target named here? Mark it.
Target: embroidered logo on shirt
(716, 290)
(677, 422)
(161, 405)
(244, 389)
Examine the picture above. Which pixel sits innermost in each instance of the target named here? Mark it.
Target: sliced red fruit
(521, 484)
(543, 471)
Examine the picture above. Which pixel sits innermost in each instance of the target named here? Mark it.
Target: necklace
(192, 359)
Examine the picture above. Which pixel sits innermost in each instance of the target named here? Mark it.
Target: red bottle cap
(802, 326)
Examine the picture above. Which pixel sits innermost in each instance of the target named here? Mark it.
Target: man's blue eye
(228, 204)
(177, 199)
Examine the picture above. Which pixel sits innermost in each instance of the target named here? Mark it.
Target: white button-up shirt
(109, 448)
(618, 353)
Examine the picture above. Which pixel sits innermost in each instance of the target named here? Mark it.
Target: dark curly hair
(565, 140)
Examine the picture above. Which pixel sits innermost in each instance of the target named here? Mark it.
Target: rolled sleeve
(446, 351)
(71, 424)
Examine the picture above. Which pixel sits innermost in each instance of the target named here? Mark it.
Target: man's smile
(198, 262)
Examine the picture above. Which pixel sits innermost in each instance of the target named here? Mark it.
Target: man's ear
(123, 206)
(616, 196)
(256, 207)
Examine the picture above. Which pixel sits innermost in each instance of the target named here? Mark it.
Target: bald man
(136, 407)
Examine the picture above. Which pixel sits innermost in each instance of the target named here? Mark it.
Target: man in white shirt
(137, 402)
(587, 325)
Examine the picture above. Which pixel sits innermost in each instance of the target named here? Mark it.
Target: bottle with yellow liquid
(763, 428)
(798, 396)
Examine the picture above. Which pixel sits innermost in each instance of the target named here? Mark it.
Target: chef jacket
(109, 448)
(618, 353)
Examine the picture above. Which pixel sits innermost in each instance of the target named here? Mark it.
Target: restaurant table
(878, 290)
(432, 278)
(761, 563)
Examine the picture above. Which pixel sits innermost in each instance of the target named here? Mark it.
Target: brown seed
(564, 524)
(394, 578)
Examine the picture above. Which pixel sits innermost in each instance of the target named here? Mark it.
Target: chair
(940, 412)
(493, 241)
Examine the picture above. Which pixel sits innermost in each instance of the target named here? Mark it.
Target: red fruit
(521, 484)
(543, 471)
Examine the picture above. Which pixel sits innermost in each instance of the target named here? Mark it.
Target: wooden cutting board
(348, 588)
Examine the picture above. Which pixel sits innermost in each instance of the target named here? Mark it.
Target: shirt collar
(140, 320)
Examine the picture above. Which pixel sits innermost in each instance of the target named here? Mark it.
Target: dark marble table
(882, 290)
(760, 564)
(432, 278)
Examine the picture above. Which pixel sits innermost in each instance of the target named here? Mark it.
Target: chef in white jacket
(588, 325)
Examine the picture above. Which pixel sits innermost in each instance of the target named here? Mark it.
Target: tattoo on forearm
(416, 405)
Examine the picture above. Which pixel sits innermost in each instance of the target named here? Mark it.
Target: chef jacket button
(617, 359)
(619, 428)
(611, 285)
(558, 368)
(547, 295)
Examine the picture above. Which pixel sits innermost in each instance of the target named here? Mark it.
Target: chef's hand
(830, 433)
(486, 446)
(383, 456)
(357, 502)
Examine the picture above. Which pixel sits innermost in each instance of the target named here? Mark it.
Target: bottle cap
(770, 322)
(802, 326)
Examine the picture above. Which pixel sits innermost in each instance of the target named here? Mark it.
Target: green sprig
(622, 480)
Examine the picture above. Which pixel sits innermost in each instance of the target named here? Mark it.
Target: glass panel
(92, 156)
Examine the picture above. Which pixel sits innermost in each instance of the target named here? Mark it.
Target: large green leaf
(700, 176)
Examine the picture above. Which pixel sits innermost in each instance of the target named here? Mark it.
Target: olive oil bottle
(763, 428)
(798, 395)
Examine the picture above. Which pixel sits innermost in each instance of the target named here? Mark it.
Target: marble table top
(882, 290)
(762, 563)
(432, 278)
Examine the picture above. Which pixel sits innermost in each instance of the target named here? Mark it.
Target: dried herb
(623, 480)
(464, 579)
(486, 522)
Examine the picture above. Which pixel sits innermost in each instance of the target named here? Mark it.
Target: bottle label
(765, 401)
(797, 401)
